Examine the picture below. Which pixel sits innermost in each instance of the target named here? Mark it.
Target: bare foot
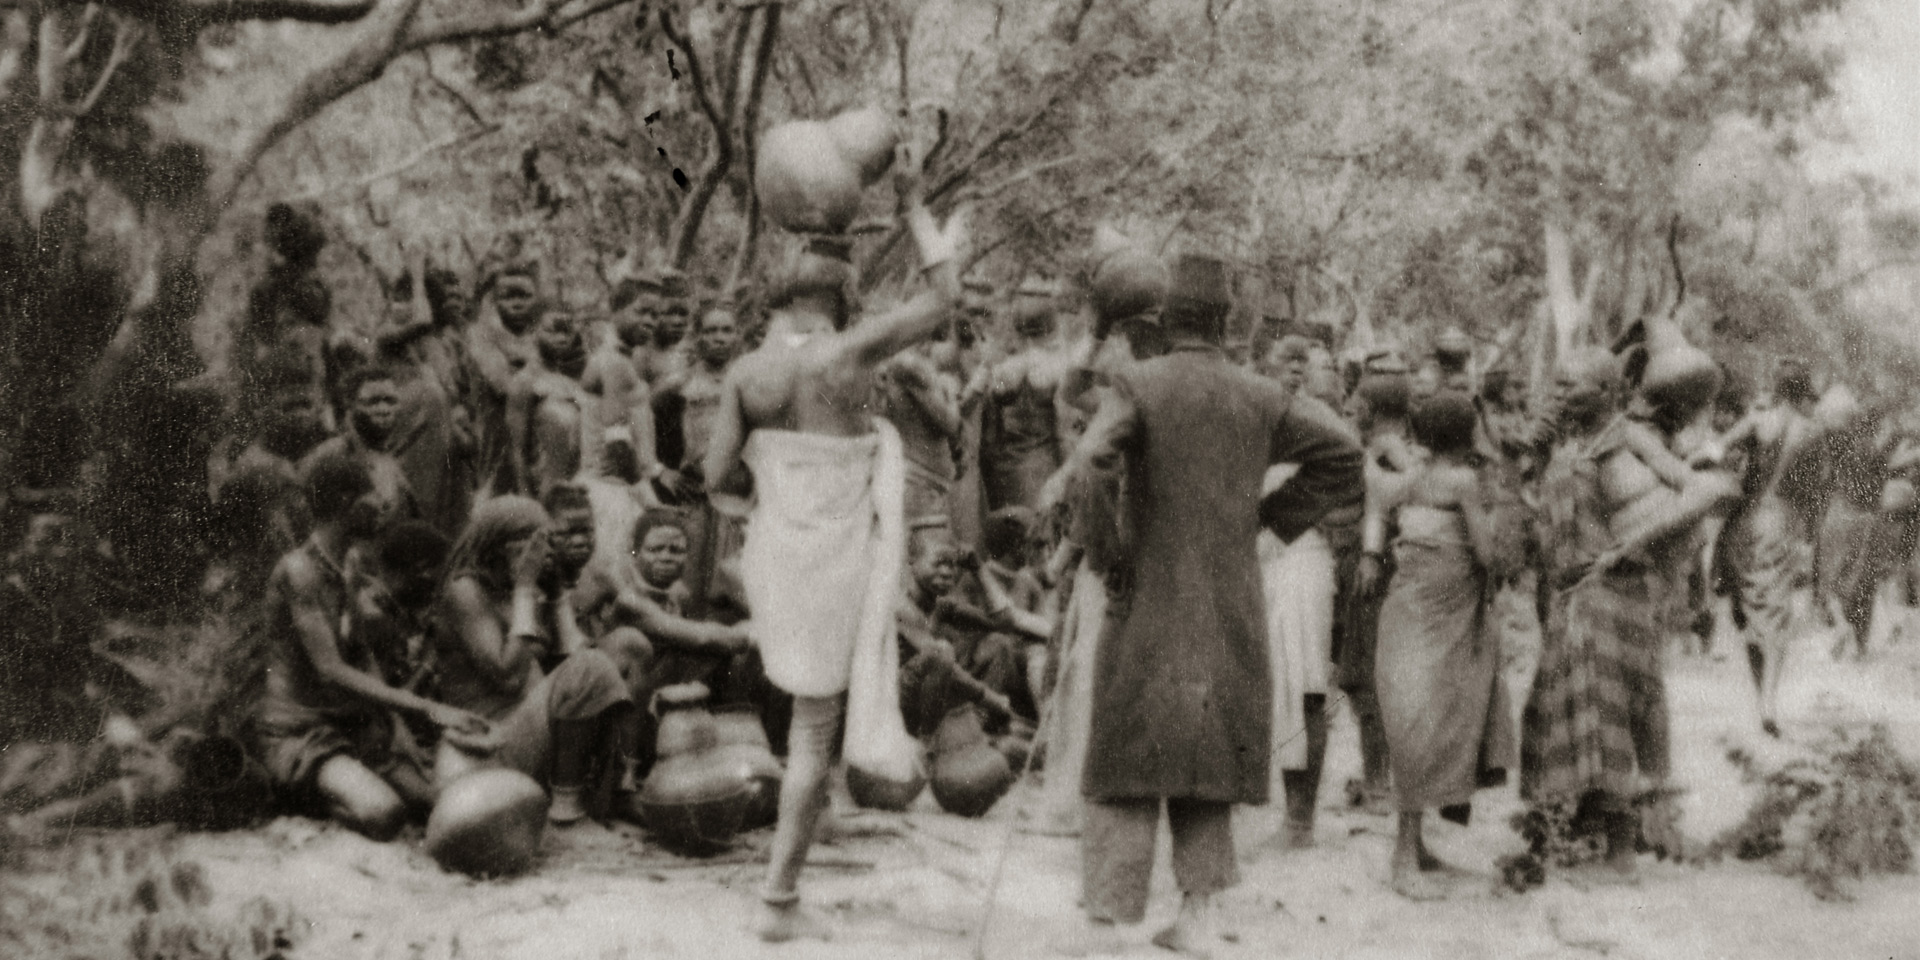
(1182, 940)
(1415, 884)
(780, 923)
(1429, 863)
(1094, 938)
(1299, 836)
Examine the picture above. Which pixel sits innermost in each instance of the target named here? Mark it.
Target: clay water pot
(743, 738)
(488, 823)
(866, 138)
(969, 774)
(1678, 375)
(696, 803)
(804, 181)
(699, 792)
(880, 793)
(685, 725)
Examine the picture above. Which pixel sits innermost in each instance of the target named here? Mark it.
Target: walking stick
(1013, 822)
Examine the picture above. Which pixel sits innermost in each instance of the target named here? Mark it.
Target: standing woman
(1449, 730)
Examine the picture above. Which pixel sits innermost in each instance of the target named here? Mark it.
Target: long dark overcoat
(1182, 702)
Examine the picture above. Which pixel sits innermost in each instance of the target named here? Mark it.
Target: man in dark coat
(1182, 685)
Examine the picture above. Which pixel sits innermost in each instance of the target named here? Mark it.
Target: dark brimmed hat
(1199, 288)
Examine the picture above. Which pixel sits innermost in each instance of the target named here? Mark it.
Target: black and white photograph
(959, 479)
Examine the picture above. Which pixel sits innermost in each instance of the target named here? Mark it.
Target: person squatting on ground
(324, 724)
(1182, 694)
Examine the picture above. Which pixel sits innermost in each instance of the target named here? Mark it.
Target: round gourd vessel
(866, 138)
(1678, 375)
(804, 181)
(488, 823)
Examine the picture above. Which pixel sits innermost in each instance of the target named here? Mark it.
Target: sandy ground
(605, 893)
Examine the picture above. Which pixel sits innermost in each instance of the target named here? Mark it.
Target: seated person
(372, 395)
(324, 724)
(509, 649)
(1011, 581)
(650, 595)
(951, 653)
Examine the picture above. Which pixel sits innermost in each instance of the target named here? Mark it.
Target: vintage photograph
(972, 479)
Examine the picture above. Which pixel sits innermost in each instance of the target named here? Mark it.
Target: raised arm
(874, 339)
(1331, 474)
(503, 657)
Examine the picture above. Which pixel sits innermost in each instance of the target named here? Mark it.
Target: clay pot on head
(866, 138)
(1678, 375)
(488, 823)
(804, 180)
(879, 793)
(969, 774)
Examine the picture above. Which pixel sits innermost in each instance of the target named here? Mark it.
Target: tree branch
(1862, 274)
(538, 14)
(686, 224)
(459, 96)
(1111, 184)
(208, 12)
(18, 36)
(959, 174)
(83, 32)
(749, 144)
(391, 31)
(382, 42)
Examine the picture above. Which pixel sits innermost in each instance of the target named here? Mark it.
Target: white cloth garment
(821, 566)
(1297, 581)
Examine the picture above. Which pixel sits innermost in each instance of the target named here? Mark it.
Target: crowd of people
(488, 533)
